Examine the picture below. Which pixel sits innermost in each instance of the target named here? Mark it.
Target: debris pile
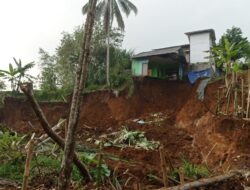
(126, 138)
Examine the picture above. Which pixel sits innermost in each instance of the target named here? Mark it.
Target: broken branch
(27, 89)
(205, 182)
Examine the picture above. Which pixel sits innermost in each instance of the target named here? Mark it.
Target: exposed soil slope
(103, 108)
(185, 127)
(223, 141)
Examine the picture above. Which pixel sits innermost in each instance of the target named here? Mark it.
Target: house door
(144, 69)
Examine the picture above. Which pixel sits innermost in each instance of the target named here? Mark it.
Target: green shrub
(12, 170)
(194, 171)
(191, 170)
(98, 173)
(11, 147)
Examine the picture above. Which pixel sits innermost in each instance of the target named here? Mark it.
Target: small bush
(190, 170)
(194, 171)
(11, 147)
(98, 173)
(12, 170)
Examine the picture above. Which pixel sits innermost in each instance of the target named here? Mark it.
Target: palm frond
(118, 16)
(11, 69)
(85, 9)
(18, 63)
(100, 9)
(3, 73)
(131, 6)
(124, 7)
(28, 66)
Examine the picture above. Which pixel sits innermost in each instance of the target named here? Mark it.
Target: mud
(185, 127)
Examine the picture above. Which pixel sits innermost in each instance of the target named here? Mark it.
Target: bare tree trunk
(81, 76)
(27, 90)
(108, 57)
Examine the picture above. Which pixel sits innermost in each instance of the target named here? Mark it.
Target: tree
(235, 36)
(231, 48)
(230, 55)
(80, 80)
(68, 52)
(225, 55)
(2, 84)
(11, 76)
(22, 70)
(67, 56)
(108, 10)
(16, 74)
(48, 72)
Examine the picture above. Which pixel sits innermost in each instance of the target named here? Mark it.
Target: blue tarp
(193, 76)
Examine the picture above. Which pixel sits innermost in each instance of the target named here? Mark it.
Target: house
(192, 60)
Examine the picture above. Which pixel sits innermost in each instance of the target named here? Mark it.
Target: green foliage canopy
(58, 70)
(232, 48)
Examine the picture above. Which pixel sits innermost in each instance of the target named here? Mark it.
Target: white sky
(27, 25)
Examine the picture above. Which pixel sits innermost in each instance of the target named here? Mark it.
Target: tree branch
(27, 89)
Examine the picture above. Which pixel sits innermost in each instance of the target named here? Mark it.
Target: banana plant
(22, 71)
(15, 74)
(10, 75)
(225, 54)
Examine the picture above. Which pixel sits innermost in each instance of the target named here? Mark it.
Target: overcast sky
(27, 25)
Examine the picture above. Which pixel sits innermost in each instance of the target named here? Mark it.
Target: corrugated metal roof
(161, 51)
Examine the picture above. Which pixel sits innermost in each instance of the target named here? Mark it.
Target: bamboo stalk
(182, 176)
(248, 99)
(235, 102)
(235, 95)
(99, 167)
(137, 186)
(29, 148)
(218, 102)
(242, 98)
(170, 164)
(163, 167)
(66, 128)
(228, 100)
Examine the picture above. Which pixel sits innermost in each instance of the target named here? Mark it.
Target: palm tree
(109, 10)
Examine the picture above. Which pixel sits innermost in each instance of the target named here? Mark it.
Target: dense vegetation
(58, 70)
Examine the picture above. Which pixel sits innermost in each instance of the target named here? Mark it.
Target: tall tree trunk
(81, 76)
(108, 57)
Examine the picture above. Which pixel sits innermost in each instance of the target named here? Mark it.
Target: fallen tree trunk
(8, 183)
(204, 182)
(27, 89)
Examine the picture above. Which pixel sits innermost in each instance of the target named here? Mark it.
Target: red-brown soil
(187, 128)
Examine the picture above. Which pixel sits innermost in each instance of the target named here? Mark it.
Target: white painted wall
(199, 43)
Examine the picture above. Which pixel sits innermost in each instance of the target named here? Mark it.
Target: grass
(41, 166)
(12, 170)
(191, 170)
